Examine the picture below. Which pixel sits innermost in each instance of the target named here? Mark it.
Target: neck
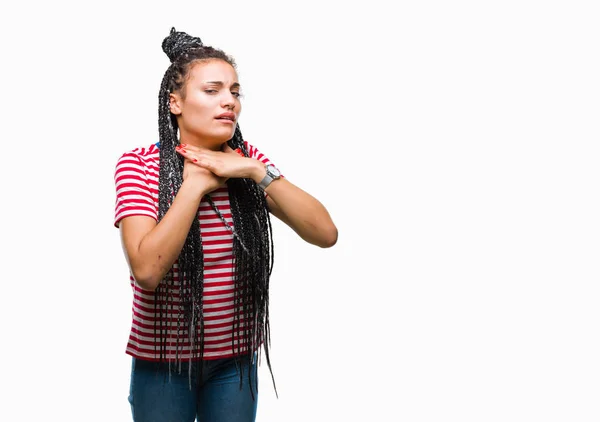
(190, 139)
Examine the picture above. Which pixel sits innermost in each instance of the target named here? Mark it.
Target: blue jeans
(214, 398)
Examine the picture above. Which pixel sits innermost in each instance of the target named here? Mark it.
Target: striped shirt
(136, 183)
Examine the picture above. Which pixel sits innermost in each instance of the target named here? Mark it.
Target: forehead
(213, 70)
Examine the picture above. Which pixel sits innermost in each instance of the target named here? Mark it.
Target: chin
(225, 137)
(220, 139)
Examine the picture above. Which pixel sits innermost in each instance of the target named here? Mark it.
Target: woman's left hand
(226, 163)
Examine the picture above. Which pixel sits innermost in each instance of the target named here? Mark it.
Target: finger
(204, 163)
(187, 155)
(188, 151)
(191, 148)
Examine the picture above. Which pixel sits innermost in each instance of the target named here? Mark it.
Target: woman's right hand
(203, 179)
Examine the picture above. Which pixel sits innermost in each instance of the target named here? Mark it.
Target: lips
(226, 116)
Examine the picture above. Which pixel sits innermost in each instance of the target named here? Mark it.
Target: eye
(210, 91)
(236, 94)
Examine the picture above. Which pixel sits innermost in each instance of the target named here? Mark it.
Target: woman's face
(208, 114)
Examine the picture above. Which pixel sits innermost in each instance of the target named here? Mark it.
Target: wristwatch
(272, 174)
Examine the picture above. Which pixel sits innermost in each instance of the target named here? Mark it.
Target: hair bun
(178, 43)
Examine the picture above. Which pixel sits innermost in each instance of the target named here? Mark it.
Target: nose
(228, 101)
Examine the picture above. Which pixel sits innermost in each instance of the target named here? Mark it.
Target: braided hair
(252, 246)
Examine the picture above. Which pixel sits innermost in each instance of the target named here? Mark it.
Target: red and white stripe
(136, 183)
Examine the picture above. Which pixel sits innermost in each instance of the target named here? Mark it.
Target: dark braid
(251, 221)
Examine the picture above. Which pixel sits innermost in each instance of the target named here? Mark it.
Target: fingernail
(195, 160)
(183, 145)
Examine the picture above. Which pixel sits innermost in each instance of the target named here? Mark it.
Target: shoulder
(249, 147)
(253, 151)
(147, 157)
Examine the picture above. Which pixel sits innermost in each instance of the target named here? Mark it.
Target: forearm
(300, 211)
(160, 248)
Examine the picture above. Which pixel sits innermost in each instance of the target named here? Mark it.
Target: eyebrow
(219, 83)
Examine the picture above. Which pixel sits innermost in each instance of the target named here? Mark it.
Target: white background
(455, 145)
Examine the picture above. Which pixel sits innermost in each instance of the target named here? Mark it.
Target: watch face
(273, 172)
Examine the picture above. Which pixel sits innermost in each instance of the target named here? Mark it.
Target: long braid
(251, 215)
(252, 244)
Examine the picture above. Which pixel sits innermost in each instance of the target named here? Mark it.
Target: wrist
(193, 190)
(257, 173)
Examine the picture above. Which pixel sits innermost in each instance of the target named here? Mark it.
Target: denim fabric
(154, 397)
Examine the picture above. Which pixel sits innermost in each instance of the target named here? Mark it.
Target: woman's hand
(202, 178)
(226, 163)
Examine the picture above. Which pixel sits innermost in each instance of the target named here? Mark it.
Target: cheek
(201, 108)
(199, 114)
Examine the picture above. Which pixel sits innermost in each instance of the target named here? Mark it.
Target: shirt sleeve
(253, 152)
(134, 196)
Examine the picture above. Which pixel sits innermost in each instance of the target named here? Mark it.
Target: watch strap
(266, 181)
(269, 176)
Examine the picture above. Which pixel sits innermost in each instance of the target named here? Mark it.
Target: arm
(296, 208)
(300, 211)
(151, 248)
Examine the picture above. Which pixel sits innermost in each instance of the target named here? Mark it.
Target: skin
(212, 88)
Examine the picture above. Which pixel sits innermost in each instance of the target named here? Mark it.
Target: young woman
(194, 216)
